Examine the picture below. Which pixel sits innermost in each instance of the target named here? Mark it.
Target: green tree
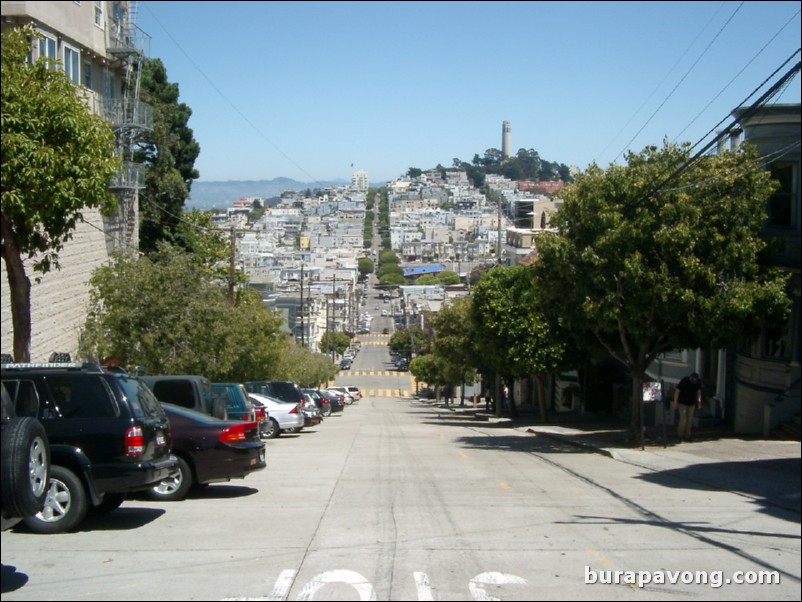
(210, 245)
(162, 312)
(336, 342)
(57, 160)
(662, 254)
(414, 172)
(408, 341)
(448, 277)
(452, 342)
(302, 366)
(392, 279)
(388, 257)
(387, 269)
(365, 266)
(512, 336)
(425, 369)
(170, 151)
(257, 211)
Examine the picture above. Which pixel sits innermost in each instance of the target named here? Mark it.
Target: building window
(780, 204)
(99, 14)
(87, 73)
(72, 62)
(48, 48)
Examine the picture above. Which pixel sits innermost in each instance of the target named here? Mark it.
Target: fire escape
(127, 45)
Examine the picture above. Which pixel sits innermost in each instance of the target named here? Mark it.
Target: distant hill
(207, 195)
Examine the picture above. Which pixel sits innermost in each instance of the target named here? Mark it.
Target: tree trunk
(498, 395)
(541, 397)
(19, 286)
(637, 402)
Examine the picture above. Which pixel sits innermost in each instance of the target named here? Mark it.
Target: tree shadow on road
(773, 484)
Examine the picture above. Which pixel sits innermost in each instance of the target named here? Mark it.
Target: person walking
(687, 396)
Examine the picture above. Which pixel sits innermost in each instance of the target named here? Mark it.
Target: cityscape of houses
(302, 254)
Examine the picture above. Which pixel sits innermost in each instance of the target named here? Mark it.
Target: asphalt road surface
(398, 499)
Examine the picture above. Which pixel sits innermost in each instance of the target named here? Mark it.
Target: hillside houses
(315, 242)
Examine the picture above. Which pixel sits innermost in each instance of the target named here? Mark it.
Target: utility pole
(332, 315)
(232, 266)
(303, 343)
(498, 241)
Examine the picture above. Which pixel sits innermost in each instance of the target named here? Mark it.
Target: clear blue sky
(306, 89)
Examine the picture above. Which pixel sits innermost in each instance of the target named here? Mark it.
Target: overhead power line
(748, 113)
(682, 79)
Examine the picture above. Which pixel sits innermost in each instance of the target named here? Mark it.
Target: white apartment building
(98, 45)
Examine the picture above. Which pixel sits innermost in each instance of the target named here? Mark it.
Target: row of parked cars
(79, 438)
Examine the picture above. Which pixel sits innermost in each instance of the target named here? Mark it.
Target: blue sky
(306, 89)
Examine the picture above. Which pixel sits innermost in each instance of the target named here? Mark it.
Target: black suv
(108, 436)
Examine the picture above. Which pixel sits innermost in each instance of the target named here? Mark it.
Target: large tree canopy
(57, 160)
(452, 342)
(162, 312)
(646, 268)
(169, 150)
(512, 335)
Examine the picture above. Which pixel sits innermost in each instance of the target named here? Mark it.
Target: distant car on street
(335, 400)
(284, 416)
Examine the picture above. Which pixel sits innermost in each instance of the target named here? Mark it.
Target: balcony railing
(127, 113)
(131, 176)
(125, 38)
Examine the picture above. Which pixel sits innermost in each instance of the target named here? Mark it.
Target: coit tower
(506, 140)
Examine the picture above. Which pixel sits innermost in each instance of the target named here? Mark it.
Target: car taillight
(134, 441)
(294, 409)
(238, 432)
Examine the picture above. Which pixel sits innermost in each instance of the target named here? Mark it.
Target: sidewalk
(766, 470)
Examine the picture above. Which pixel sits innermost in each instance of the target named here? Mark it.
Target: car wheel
(175, 487)
(26, 467)
(271, 429)
(110, 503)
(326, 411)
(65, 504)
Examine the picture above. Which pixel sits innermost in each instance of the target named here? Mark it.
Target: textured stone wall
(59, 301)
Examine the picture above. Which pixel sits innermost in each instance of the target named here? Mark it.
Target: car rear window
(141, 399)
(179, 392)
(81, 396)
(286, 391)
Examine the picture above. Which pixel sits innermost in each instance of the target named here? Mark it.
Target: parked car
(235, 397)
(108, 436)
(312, 415)
(354, 391)
(322, 403)
(188, 391)
(345, 363)
(336, 403)
(347, 397)
(209, 450)
(26, 464)
(283, 390)
(285, 416)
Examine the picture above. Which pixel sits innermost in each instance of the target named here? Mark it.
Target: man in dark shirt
(687, 396)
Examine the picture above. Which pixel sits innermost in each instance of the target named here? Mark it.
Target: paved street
(401, 499)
